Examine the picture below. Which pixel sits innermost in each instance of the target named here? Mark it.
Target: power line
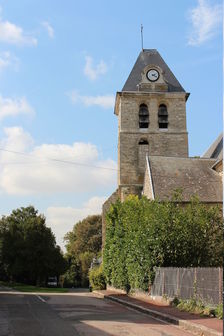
(57, 160)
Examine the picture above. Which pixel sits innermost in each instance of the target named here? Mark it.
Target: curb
(189, 326)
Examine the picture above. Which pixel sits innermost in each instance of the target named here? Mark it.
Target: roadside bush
(198, 307)
(142, 234)
(114, 258)
(175, 301)
(191, 306)
(96, 278)
(219, 311)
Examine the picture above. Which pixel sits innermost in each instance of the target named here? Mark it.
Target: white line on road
(40, 298)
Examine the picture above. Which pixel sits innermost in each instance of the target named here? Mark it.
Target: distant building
(153, 140)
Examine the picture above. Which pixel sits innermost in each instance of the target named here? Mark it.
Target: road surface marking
(40, 298)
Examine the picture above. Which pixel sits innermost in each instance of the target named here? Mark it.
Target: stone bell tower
(151, 110)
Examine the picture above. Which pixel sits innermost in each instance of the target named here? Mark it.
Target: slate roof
(146, 57)
(193, 175)
(215, 151)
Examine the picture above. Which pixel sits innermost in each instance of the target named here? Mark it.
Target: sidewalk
(203, 326)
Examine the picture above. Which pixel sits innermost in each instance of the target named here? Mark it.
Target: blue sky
(61, 64)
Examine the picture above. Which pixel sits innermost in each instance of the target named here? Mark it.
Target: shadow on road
(74, 314)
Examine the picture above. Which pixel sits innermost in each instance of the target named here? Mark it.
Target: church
(153, 155)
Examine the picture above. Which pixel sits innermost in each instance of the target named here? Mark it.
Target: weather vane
(142, 35)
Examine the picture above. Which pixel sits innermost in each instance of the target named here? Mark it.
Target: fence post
(220, 285)
(163, 290)
(178, 283)
(195, 282)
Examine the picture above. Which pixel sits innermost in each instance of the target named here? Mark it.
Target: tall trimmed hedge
(141, 234)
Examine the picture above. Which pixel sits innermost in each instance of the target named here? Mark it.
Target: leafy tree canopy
(28, 251)
(86, 236)
(82, 244)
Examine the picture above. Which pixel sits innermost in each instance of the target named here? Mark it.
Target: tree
(82, 244)
(28, 249)
(85, 236)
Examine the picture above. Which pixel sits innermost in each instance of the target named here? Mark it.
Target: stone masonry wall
(169, 142)
(147, 188)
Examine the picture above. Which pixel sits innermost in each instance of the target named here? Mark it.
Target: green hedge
(96, 278)
(141, 234)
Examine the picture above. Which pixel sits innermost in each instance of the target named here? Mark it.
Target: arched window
(143, 142)
(163, 116)
(143, 116)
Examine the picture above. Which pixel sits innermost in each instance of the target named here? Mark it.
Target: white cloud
(49, 28)
(16, 140)
(35, 174)
(13, 107)
(92, 72)
(62, 219)
(5, 60)
(206, 20)
(13, 34)
(106, 101)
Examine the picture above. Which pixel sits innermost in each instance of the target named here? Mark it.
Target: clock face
(153, 75)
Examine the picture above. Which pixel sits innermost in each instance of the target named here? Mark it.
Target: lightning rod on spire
(142, 35)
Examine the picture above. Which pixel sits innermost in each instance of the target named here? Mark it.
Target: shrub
(143, 234)
(219, 311)
(197, 307)
(208, 311)
(96, 278)
(191, 306)
(175, 301)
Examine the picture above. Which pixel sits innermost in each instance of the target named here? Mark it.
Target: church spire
(151, 57)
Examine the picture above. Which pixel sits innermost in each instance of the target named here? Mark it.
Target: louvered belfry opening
(163, 116)
(143, 116)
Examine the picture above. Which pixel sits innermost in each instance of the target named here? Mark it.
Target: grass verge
(29, 289)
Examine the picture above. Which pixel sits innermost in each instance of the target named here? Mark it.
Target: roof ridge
(216, 148)
(184, 157)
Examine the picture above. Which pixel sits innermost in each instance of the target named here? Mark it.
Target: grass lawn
(29, 288)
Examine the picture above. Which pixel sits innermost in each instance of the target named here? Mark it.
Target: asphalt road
(74, 314)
